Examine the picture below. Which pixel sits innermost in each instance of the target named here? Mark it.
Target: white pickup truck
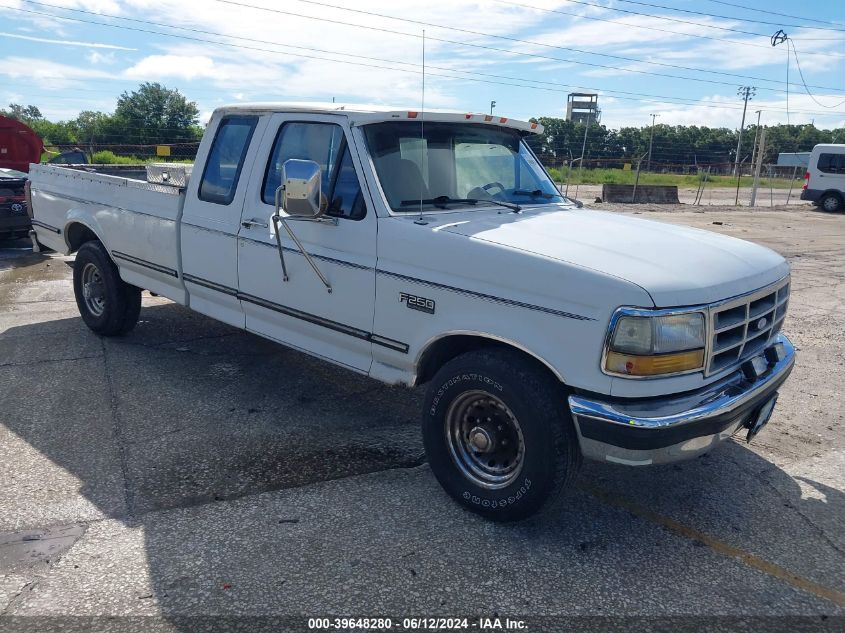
(434, 248)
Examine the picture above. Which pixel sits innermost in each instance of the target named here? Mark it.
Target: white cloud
(720, 111)
(96, 57)
(47, 74)
(155, 67)
(213, 73)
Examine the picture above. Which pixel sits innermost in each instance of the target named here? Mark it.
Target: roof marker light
(487, 117)
(504, 119)
(468, 115)
(412, 115)
(533, 126)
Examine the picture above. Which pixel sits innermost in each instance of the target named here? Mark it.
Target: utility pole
(583, 150)
(650, 142)
(756, 133)
(492, 105)
(746, 92)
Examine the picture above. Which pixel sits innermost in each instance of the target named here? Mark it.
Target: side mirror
(301, 193)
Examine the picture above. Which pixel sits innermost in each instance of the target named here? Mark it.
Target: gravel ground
(191, 469)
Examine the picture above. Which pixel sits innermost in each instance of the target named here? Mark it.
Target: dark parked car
(14, 219)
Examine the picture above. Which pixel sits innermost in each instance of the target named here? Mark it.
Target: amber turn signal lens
(654, 365)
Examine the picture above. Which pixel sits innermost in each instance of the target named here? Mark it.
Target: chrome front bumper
(675, 428)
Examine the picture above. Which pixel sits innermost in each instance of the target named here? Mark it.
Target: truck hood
(675, 265)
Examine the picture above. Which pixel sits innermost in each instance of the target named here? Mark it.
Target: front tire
(108, 305)
(498, 434)
(831, 203)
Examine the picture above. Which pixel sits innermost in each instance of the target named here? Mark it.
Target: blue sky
(525, 54)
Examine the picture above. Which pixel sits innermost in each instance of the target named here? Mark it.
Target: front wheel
(107, 304)
(498, 434)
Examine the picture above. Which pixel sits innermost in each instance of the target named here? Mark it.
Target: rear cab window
(226, 159)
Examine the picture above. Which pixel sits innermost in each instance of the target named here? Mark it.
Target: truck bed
(140, 219)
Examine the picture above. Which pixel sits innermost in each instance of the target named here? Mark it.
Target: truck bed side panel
(136, 221)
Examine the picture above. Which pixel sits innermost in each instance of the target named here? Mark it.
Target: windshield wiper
(441, 202)
(508, 205)
(537, 193)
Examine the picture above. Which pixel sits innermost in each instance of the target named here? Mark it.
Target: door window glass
(324, 144)
(226, 159)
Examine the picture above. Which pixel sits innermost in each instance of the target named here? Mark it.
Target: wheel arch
(444, 347)
(77, 233)
(836, 192)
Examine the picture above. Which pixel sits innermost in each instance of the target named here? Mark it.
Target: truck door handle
(248, 224)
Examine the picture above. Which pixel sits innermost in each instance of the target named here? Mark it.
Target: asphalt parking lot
(189, 468)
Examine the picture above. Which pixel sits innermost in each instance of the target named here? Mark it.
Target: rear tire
(498, 434)
(107, 304)
(831, 202)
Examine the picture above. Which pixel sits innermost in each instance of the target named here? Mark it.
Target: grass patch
(623, 177)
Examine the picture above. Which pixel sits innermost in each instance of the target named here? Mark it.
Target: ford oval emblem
(762, 323)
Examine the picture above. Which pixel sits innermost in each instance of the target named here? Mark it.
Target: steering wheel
(490, 185)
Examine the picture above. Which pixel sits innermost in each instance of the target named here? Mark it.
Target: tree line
(151, 115)
(674, 145)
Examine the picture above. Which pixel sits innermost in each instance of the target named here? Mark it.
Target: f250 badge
(417, 303)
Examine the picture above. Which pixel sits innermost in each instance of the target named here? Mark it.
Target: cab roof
(361, 114)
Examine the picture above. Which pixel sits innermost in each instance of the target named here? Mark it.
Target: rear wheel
(498, 434)
(831, 202)
(107, 304)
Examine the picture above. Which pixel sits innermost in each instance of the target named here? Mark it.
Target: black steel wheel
(498, 435)
(107, 304)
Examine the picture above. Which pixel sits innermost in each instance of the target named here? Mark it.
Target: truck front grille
(741, 327)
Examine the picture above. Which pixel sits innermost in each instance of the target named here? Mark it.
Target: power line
(344, 61)
(61, 99)
(630, 25)
(516, 40)
(392, 31)
(653, 28)
(649, 28)
(783, 15)
(667, 18)
(522, 84)
(801, 74)
(658, 97)
(647, 97)
(729, 17)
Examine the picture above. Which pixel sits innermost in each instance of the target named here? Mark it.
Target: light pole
(492, 105)
(756, 133)
(746, 92)
(651, 142)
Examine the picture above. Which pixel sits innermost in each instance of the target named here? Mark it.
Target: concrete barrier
(657, 194)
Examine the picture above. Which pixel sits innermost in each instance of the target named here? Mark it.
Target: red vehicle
(19, 146)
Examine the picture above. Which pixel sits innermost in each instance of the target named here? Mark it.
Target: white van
(824, 182)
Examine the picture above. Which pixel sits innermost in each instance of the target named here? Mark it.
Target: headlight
(642, 345)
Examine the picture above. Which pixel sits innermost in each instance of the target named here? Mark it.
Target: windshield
(452, 164)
